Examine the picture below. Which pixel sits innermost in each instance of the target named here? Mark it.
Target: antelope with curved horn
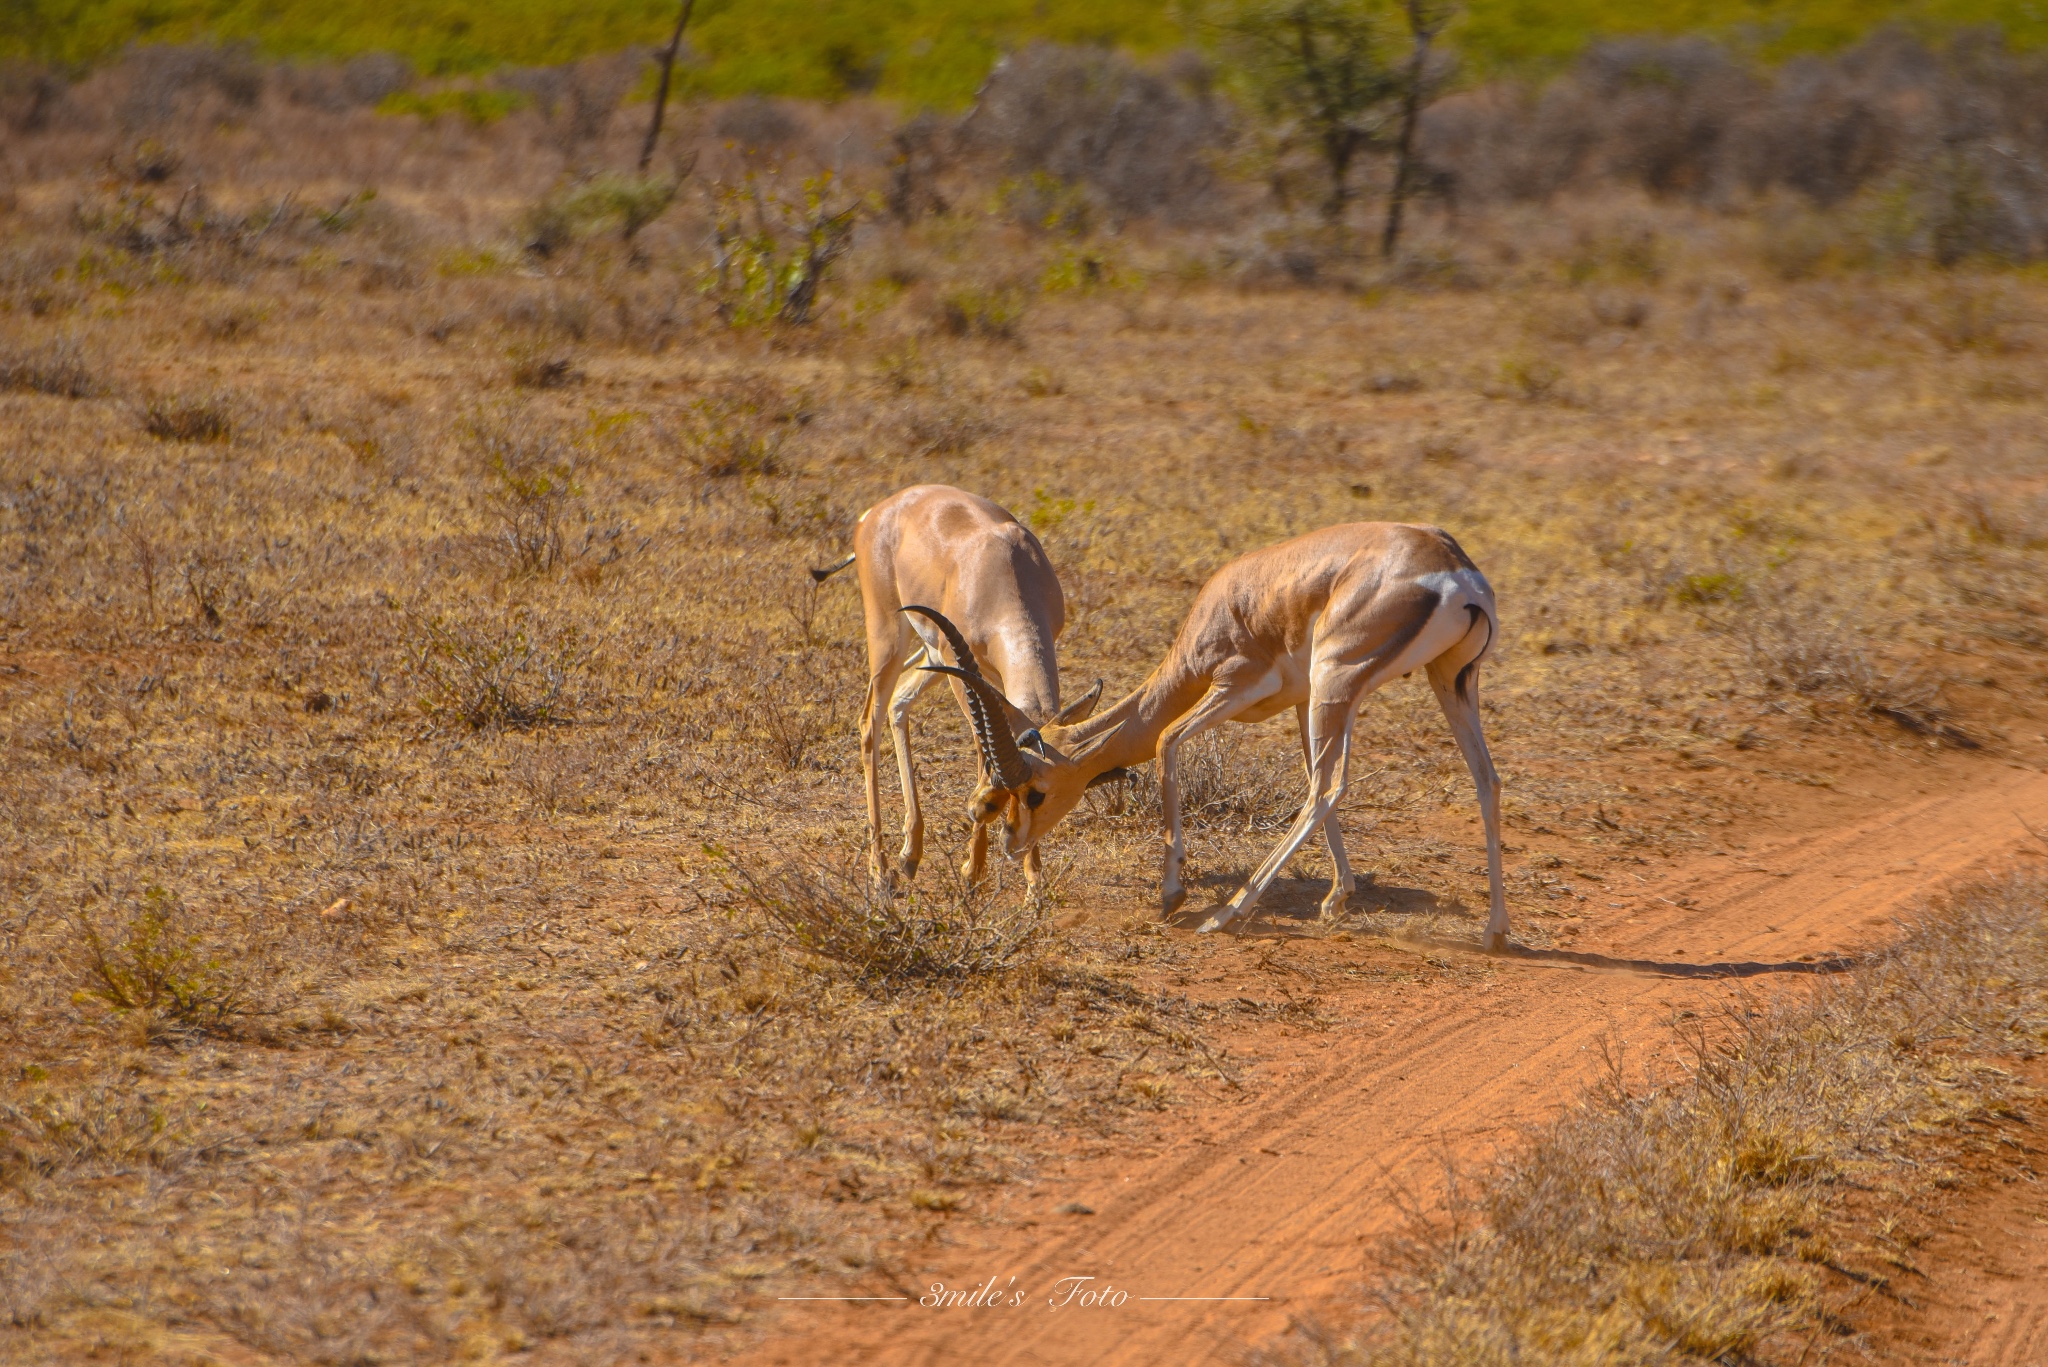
(928, 557)
(1314, 624)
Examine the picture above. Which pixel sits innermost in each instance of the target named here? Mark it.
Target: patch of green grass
(924, 52)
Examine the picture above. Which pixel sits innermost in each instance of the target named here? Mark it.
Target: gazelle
(931, 554)
(1315, 624)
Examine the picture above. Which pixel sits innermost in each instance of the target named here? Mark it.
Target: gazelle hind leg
(1342, 884)
(1460, 702)
(910, 685)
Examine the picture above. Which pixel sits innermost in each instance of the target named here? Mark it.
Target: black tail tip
(819, 576)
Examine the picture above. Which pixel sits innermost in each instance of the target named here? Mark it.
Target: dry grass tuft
(738, 431)
(493, 673)
(188, 419)
(532, 478)
(58, 369)
(939, 929)
(533, 369)
(1701, 1218)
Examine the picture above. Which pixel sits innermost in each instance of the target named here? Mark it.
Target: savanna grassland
(414, 695)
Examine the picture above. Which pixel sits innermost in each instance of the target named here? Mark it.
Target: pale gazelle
(956, 557)
(1315, 624)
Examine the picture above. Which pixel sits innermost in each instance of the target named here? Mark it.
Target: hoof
(1496, 944)
(1170, 902)
(1218, 920)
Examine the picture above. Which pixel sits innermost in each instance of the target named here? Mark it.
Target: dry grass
(950, 930)
(1730, 1212)
(421, 691)
(58, 368)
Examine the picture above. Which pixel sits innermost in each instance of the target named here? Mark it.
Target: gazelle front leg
(1342, 884)
(879, 686)
(910, 685)
(1222, 702)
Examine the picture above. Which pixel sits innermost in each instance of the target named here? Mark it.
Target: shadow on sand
(1289, 911)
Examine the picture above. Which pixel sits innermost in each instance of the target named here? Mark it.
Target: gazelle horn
(998, 748)
(962, 656)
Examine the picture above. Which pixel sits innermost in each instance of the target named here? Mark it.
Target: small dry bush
(993, 312)
(532, 369)
(1229, 781)
(942, 929)
(945, 428)
(1690, 1219)
(1799, 650)
(190, 419)
(741, 431)
(776, 248)
(56, 1130)
(491, 675)
(532, 478)
(794, 715)
(160, 972)
(58, 369)
(570, 212)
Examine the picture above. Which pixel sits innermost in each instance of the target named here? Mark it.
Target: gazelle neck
(1023, 657)
(1128, 732)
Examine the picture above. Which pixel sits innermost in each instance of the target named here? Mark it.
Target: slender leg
(1223, 701)
(1329, 753)
(1461, 709)
(910, 686)
(1341, 882)
(975, 866)
(870, 763)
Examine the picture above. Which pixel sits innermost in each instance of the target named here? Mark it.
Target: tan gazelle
(1314, 624)
(936, 562)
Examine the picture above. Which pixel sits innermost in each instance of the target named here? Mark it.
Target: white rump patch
(1459, 587)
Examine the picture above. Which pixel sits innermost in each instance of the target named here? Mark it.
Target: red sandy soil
(1976, 1292)
(1280, 1192)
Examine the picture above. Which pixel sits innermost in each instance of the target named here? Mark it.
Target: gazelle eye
(1032, 797)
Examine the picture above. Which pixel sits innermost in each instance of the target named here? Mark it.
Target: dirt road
(1255, 1213)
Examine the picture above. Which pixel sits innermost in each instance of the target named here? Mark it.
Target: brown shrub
(191, 419)
(58, 369)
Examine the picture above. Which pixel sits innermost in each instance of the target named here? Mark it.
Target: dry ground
(405, 641)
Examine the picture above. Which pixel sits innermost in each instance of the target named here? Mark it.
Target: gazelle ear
(1080, 708)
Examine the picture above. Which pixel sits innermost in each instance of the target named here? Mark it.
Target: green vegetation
(921, 51)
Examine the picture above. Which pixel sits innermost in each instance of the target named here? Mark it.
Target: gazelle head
(1029, 783)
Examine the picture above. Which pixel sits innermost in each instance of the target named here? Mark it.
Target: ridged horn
(962, 656)
(998, 748)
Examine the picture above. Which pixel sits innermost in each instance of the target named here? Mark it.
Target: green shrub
(158, 967)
